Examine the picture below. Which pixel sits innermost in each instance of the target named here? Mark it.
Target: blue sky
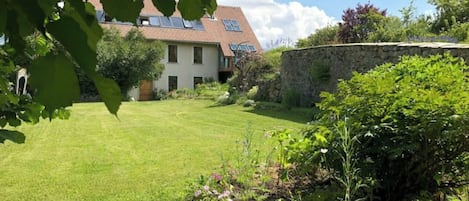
(286, 21)
(335, 7)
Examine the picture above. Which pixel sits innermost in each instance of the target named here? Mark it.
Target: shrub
(252, 93)
(211, 90)
(411, 120)
(159, 94)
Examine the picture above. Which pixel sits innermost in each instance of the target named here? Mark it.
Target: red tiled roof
(214, 32)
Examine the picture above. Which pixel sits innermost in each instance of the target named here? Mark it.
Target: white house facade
(195, 50)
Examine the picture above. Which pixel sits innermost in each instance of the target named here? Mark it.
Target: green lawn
(150, 153)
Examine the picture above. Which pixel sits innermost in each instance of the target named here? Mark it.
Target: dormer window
(144, 20)
(232, 25)
(187, 24)
(242, 47)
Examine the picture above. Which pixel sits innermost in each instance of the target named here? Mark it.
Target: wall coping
(396, 44)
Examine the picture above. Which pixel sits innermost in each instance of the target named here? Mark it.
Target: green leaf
(110, 93)
(191, 9)
(3, 17)
(195, 9)
(14, 136)
(74, 37)
(54, 78)
(210, 6)
(167, 7)
(123, 10)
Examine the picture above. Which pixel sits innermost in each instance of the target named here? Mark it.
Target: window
(172, 83)
(198, 55)
(198, 80)
(172, 53)
(231, 25)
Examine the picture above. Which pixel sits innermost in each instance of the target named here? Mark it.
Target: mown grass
(150, 153)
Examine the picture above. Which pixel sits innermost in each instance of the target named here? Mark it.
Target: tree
(127, 60)
(324, 36)
(359, 22)
(53, 76)
(449, 13)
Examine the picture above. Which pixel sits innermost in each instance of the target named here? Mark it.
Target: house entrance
(146, 90)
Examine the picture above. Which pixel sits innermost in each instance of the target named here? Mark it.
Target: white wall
(185, 69)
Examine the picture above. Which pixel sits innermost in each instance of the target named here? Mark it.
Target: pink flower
(217, 177)
(206, 188)
(225, 194)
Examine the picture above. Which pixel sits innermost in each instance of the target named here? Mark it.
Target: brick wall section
(343, 59)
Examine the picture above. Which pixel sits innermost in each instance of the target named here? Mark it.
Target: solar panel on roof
(251, 48)
(243, 47)
(198, 25)
(165, 21)
(233, 46)
(154, 21)
(177, 22)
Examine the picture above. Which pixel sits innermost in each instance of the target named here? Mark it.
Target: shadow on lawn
(299, 115)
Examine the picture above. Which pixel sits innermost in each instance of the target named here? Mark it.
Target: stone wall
(299, 65)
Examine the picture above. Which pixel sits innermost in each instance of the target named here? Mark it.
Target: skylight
(231, 25)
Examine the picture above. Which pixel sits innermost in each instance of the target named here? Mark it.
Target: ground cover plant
(151, 153)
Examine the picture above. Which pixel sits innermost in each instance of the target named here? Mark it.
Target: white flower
(197, 193)
(323, 151)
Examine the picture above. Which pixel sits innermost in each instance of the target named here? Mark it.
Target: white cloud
(272, 21)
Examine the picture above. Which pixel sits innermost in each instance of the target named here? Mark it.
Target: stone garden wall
(309, 71)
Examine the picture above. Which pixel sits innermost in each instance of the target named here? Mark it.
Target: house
(196, 50)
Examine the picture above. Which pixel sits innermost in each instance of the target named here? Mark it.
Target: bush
(211, 90)
(411, 120)
(159, 94)
(252, 93)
